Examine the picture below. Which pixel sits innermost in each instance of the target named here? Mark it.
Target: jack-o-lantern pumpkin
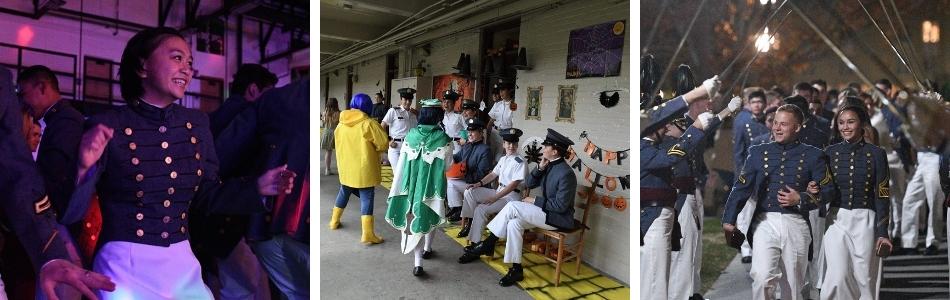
(620, 203)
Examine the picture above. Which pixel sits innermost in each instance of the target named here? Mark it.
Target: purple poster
(596, 51)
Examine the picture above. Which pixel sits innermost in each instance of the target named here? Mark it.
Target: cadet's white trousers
(853, 268)
(655, 257)
(686, 263)
(454, 191)
(742, 223)
(475, 208)
(779, 250)
(512, 221)
(923, 188)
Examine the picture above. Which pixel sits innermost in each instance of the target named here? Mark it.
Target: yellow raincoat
(359, 142)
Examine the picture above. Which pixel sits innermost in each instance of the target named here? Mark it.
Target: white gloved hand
(712, 85)
(705, 119)
(734, 104)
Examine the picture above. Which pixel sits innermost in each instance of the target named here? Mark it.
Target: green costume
(416, 200)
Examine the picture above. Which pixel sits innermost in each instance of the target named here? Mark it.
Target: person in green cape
(416, 200)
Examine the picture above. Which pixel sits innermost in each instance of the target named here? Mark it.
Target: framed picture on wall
(534, 104)
(565, 103)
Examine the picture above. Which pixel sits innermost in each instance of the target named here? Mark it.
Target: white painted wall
(545, 35)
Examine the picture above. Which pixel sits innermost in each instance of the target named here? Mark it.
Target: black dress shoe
(486, 247)
(512, 277)
(464, 231)
(454, 214)
(696, 296)
(471, 246)
(932, 250)
(747, 259)
(418, 271)
(428, 254)
(468, 257)
(906, 251)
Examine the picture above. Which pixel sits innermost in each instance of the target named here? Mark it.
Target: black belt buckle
(397, 140)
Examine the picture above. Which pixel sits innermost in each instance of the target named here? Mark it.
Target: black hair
(884, 82)
(799, 102)
(758, 94)
(136, 52)
(858, 110)
(248, 74)
(794, 110)
(431, 115)
(804, 86)
(38, 73)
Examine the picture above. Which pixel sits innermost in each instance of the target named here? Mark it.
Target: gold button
(781, 174)
(199, 172)
(140, 232)
(188, 125)
(766, 166)
(132, 146)
(173, 175)
(196, 189)
(167, 203)
(182, 229)
(766, 159)
(166, 219)
(135, 161)
(194, 140)
(164, 235)
(88, 225)
(198, 156)
(139, 216)
(140, 194)
(168, 160)
(162, 129)
(852, 167)
(139, 177)
(183, 215)
(128, 131)
(164, 145)
(171, 190)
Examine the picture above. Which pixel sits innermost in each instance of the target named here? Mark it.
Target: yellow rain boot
(369, 235)
(335, 218)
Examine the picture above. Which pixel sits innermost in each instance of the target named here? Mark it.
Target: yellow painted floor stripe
(539, 273)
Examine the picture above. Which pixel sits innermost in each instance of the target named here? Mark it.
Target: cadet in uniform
(398, 121)
(657, 195)
(501, 115)
(477, 161)
(152, 162)
(814, 132)
(28, 209)
(860, 210)
(553, 209)
(452, 122)
(747, 127)
(775, 172)
(481, 201)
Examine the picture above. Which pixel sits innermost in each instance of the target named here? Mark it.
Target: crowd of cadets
(826, 185)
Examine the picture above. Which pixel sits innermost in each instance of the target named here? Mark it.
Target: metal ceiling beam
(374, 8)
(191, 12)
(264, 38)
(163, 11)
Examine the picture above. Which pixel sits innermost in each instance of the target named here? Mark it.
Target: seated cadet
(477, 161)
(553, 209)
(481, 201)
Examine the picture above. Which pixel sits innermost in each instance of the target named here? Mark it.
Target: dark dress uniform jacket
(217, 234)
(158, 167)
(772, 166)
(272, 132)
(58, 151)
(746, 128)
(861, 180)
(558, 185)
(478, 161)
(25, 205)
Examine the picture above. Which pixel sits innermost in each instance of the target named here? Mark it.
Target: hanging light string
(889, 43)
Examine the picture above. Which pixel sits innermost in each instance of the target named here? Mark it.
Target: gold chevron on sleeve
(676, 150)
(827, 178)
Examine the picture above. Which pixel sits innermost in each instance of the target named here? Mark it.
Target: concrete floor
(351, 270)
